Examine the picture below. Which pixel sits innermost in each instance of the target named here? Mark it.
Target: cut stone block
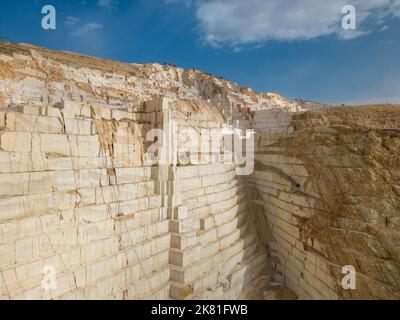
(28, 123)
(2, 120)
(72, 109)
(54, 144)
(16, 141)
(181, 213)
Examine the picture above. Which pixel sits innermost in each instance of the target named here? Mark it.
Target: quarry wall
(329, 191)
(78, 198)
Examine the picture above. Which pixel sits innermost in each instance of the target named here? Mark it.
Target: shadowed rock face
(345, 209)
(353, 158)
(77, 194)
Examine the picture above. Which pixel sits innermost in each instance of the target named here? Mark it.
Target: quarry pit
(79, 199)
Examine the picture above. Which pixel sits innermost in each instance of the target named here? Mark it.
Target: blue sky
(293, 47)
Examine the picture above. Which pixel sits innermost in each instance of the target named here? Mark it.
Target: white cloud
(239, 22)
(351, 34)
(187, 3)
(396, 8)
(107, 3)
(85, 29)
(71, 21)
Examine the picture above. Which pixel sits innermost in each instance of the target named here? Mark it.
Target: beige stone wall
(330, 196)
(279, 180)
(272, 121)
(75, 195)
(217, 252)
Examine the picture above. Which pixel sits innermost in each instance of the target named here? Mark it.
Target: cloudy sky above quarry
(295, 47)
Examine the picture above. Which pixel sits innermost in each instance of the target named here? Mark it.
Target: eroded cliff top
(34, 75)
